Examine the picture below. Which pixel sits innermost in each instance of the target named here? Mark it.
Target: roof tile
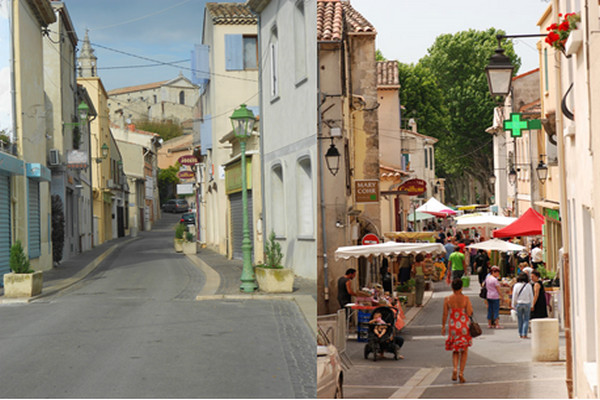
(231, 14)
(334, 17)
(387, 73)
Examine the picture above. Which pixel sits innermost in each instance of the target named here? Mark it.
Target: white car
(330, 376)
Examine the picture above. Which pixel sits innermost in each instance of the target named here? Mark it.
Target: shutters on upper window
(234, 60)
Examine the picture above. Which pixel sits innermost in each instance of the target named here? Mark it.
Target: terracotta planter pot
(23, 285)
(272, 280)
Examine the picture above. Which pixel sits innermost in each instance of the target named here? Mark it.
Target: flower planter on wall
(189, 248)
(272, 280)
(23, 285)
(573, 43)
(178, 245)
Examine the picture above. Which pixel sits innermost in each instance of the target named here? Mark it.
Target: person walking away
(522, 299)
(457, 263)
(539, 309)
(418, 271)
(386, 277)
(537, 256)
(459, 308)
(450, 247)
(482, 262)
(404, 271)
(492, 285)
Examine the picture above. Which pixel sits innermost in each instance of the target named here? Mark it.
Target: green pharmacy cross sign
(516, 125)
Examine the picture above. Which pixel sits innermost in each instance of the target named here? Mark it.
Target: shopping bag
(513, 315)
(474, 328)
(483, 292)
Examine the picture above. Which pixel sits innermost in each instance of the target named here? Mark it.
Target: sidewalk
(223, 282)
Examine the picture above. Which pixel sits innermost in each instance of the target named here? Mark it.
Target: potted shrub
(271, 276)
(189, 245)
(178, 241)
(22, 281)
(407, 289)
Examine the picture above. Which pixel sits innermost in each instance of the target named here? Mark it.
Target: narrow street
(499, 362)
(133, 328)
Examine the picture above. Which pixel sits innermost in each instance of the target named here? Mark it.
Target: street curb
(65, 283)
(213, 278)
(306, 304)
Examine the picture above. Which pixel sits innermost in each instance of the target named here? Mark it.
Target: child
(380, 325)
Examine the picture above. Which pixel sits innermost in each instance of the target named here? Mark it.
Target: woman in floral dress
(459, 308)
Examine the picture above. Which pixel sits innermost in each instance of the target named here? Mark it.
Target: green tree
(166, 130)
(447, 92)
(379, 56)
(167, 179)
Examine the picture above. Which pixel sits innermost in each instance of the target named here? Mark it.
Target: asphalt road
(133, 328)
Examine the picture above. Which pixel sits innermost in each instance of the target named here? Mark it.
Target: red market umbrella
(529, 224)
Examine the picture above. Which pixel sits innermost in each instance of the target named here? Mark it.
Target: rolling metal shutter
(34, 219)
(4, 225)
(237, 233)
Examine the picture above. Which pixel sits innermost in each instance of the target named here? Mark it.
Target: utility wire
(142, 65)
(140, 18)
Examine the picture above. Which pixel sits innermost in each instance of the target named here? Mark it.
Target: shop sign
(188, 160)
(77, 159)
(370, 238)
(413, 187)
(366, 191)
(185, 175)
(185, 188)
(554, 214)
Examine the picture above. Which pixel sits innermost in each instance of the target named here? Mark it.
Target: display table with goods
(505, 291)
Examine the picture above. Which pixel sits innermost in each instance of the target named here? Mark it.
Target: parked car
(176, 205)
(330, 376)
(188, 219)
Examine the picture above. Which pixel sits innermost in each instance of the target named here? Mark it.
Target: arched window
(181, 97)
(304, 198)
(277, 201)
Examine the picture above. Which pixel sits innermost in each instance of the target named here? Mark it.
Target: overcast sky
(167, 30)
(407, 28)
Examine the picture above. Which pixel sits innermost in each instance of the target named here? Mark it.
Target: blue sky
(407, 28)
(157, 29)
(167, 30)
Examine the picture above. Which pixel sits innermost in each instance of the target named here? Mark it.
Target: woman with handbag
(522, 299)
(459, 308)
(492, 286)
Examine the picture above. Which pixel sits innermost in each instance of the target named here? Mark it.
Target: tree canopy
(166, 130)
(447, 93)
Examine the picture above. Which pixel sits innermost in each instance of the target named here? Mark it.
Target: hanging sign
(185, 175)
(413, 187)
(370, 238)
(188, 160)
(366, 191)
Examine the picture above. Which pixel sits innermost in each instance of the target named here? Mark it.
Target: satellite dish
(128, 120)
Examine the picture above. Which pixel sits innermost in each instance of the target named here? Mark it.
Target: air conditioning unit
(109, 183)
(54, 157)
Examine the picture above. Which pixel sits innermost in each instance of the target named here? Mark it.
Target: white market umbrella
(483, 221)
(388, 248)
(420, 216)
(434, 207)
(496, 244)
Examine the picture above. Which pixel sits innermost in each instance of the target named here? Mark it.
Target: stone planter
(23, 285)
(410, 298)
(189, 248)
(178, 245)
(272, 280)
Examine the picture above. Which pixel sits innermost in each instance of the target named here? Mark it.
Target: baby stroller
(386, 342)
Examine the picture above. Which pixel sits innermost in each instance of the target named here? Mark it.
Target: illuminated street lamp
(242, 121)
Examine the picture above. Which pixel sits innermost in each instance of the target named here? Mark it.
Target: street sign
(188, 160)
(370, 238)
(413, 187)
(366, 191)
(185, 175)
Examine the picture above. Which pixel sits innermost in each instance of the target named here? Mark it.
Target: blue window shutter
(234, 60)
(206, 135)
(200, 64)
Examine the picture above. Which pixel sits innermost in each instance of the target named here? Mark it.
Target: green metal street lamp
(242, 121)
(83, 110)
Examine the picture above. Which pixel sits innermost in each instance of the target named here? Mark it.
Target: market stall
(426, 236)
(528, 224)
(434, 207)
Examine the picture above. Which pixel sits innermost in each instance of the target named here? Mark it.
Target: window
(304, 198)
(273, 63)
(431, 158)
(277, 200)
(181, 97)
(250, 52)
(300, 41)
(155, 99)
(33, 219)
(426, 164)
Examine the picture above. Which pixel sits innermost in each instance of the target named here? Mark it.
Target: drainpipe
(566, 270)
(320, 157)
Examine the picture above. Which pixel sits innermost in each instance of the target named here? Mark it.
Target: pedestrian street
(499, 362)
